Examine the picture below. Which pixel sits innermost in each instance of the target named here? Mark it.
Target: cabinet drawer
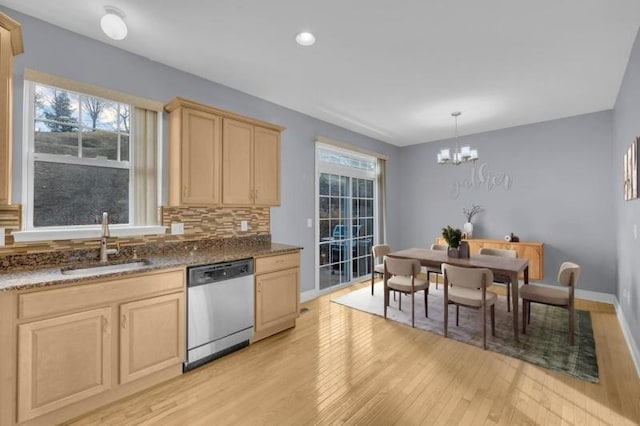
(68, 299)
(277, 263)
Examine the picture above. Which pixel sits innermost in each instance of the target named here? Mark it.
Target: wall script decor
(630, 168)
(481, 177)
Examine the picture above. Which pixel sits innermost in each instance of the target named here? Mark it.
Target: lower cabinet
(63, 360)
(277, 294)
(75, 348)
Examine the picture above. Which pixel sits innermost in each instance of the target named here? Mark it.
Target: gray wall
(54, 50)
(626, 119)
(560, 192)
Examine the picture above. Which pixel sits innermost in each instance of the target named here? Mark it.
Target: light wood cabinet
(68, 349)
(195, 163)
(217, 157)
(530, 250)
(63, 360)
(151, 336)
(10, 46)
(277, 294)
(251, 165)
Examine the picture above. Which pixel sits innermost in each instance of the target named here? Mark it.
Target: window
(80, 159)
(86, 154)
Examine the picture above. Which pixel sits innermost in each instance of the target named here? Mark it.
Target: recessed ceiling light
(112, 23)
(305, 39)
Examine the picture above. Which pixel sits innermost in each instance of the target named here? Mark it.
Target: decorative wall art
(630, 168)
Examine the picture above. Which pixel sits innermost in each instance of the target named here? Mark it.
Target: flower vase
(453, 252)
(468, 229)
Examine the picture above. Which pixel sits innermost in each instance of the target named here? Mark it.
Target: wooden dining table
(498, 265)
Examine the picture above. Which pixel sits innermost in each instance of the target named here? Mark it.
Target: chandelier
(460, 155)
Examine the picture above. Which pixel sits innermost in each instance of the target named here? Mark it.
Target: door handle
(124, 321)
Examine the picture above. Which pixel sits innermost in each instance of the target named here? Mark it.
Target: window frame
(29, 157)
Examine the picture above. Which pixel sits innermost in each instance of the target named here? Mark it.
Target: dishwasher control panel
(205, 274)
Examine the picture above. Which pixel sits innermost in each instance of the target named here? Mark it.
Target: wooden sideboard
(531, 250)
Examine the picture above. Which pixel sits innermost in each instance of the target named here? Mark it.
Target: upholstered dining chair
(567, 276)
(402, 275)
(498, 278)
(468, 287)
(436, 271)
(378, 251)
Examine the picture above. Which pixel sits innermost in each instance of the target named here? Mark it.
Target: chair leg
(484, 326)
(528, 312)
(373, 274)
(386, 300)
(400, 301)
(426, 305)
(446, 317)
(493, 320)
(572, 330)
(457, 315)
(508, 284)
(525, 308)
(413, 310)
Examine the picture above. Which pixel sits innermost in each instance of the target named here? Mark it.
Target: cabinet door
(201, 158)
(63, 360)
(267, 167)
(152, 335)
(277, 297)
(237, 163)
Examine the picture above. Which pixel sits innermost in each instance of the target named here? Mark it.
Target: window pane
(124, 148)
(57, 106)
(99, 113)
(325, 230)
(344, 186)
(335, 189)
(123, 118)
(66, 194)
(324, 184)
(369, 193)
(47, 141)
(324, 207)
(98, 143)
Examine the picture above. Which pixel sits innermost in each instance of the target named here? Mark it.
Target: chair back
(498, 252)
(439, 247)
(380, 250)
(569, 274)
(467, 277)
(402, 267)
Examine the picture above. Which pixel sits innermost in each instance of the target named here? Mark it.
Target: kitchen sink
(97, 269)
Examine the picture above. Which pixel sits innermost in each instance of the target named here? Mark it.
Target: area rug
(545, 343)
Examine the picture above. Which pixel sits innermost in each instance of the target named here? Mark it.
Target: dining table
(511, 267)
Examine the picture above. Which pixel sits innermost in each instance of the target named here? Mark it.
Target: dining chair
(432, 270)
(402, 275)
(378, 251)
(501, 278)
(468, 287)
(568, 277)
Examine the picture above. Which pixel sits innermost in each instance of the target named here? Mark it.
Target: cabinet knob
(105, 325)
(124, 321)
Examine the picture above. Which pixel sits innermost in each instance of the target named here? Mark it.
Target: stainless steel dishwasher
(220, 305)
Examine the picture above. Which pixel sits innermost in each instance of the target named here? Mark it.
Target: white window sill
(75, 234)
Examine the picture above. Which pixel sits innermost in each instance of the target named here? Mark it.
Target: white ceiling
(393, 70)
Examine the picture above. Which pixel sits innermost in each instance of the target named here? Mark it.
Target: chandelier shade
(460, 154)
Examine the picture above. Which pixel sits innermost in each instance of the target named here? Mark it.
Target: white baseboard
(633, 345)
(308, 295)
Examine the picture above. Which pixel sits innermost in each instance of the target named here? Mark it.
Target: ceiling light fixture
(460, 155)
(112, 23)
(305, 39)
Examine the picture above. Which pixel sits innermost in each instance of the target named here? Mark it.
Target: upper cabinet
(10, 46)
(217, 157)
(250, 165)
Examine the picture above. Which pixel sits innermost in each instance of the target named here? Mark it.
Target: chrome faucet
(104, 251)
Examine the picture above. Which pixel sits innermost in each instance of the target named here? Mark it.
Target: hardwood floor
(340, 365)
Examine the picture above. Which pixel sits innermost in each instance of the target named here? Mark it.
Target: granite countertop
(52, 275)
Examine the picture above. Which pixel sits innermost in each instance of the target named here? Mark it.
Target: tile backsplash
(200, 223)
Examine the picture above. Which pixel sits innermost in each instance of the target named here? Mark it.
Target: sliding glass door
(346, 217)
